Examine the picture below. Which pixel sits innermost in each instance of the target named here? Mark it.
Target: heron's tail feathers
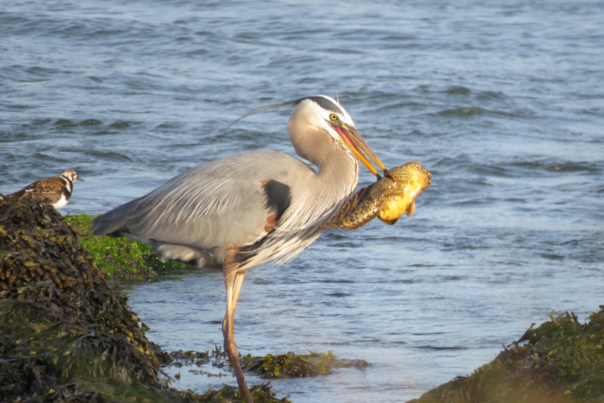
(114, 222)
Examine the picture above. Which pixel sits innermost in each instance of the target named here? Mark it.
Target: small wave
(470, 111)
(95, 79)
(430, 347)
(339, 294)
(557, 167)
(46, 157)
(120, 125)
(111, 156)
(65, 123)
(38, 122)
(551, 256)
(458, 91)
(490, 95)
(335, 281)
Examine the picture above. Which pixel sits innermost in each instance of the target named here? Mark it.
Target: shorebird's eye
(333, 117)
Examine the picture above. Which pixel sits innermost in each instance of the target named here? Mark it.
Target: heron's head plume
(324, 102)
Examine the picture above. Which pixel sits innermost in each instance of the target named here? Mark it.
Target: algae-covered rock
(65, 336)
(561, 361)
(58, 319)
(120, 258)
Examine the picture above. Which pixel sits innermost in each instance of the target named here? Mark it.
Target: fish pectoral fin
(411, 209)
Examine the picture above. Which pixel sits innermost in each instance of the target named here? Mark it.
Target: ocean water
(502, 101)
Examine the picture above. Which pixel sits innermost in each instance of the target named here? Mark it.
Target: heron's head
(326, 114)
(70, 175)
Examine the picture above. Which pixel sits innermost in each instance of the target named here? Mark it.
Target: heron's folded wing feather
(214, 205)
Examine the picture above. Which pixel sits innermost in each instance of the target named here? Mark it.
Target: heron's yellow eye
(334, 117)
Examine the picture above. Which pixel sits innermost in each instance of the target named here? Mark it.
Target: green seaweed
(561, 361)
(120, 258)
(292, 365)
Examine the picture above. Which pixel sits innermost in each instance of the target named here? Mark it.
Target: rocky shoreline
(66, 336)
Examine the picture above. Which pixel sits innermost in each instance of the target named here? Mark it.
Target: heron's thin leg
(237, 287)
(232, 283)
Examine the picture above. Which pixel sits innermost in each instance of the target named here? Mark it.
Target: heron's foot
(231, 350)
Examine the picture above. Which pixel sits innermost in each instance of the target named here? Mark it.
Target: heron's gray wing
(213, 206)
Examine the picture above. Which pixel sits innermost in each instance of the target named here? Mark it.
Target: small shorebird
(57, 189)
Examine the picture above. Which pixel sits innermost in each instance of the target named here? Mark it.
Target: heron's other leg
(232, 282)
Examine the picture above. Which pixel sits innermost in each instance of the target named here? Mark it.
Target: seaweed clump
(120, 258)
(561, 361)
(291, 365)
(65, 336)
(59, 322)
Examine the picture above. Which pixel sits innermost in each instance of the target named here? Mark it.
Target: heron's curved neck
(339, 167)
(338, 171)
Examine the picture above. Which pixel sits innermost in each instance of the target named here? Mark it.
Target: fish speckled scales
(388, 198)
(356, 212)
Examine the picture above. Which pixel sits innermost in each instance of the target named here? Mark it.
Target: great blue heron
(56, 189)
(246, 209)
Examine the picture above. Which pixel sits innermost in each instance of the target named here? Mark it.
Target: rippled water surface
(502, 101)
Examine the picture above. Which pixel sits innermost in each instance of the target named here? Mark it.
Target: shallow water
(501, 101)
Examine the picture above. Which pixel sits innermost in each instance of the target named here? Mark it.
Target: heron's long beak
(354, 142)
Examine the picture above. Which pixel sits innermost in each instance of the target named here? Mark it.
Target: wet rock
(561, 361)
(59, 321)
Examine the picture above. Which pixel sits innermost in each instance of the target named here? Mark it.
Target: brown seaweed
(288, 365)
(292, 365)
